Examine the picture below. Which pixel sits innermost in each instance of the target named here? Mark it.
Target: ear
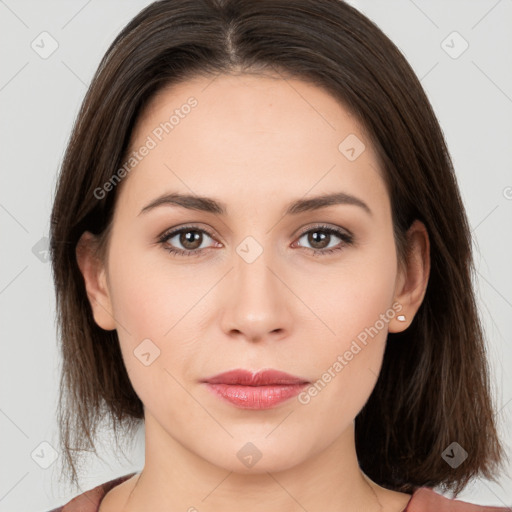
(94, 275)
(412, 278)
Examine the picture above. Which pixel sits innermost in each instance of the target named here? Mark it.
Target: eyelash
(347, 239)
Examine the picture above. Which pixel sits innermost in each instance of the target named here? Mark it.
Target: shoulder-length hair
(434, 385)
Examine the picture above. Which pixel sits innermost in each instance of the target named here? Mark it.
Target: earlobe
(413, 278)
(94, 274)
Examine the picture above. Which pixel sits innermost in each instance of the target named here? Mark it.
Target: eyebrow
(210, 205)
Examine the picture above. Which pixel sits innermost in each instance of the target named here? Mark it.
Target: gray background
(39, 99)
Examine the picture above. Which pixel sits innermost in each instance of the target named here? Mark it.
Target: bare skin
(255, 144)
(117, 498)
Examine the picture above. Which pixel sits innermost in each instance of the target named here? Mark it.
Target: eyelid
(327, 227)
(177, 229)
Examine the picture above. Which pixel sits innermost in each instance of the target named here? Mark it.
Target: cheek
(355, 295)
(357, 307)
(158, 308)
(150, 295)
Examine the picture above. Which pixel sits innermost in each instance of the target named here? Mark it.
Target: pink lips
(262, 390)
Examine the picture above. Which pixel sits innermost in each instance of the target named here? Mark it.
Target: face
(311, 291)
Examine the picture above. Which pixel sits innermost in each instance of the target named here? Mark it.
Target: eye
(190, 237)
(320, 237)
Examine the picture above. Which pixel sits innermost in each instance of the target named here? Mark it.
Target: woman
(261, 253)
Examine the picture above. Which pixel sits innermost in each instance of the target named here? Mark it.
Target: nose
(256, 303)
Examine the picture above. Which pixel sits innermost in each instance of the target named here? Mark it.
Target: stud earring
(401, 318)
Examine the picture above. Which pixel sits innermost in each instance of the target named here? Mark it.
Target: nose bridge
(257, 302)
(251, 268)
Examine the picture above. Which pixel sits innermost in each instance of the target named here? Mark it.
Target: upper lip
(260, 378)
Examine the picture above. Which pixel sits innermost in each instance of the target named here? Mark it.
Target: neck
(175, 478)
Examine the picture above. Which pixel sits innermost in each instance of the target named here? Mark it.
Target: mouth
(262, 390)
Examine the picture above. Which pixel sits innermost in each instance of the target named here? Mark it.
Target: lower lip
(256, 397)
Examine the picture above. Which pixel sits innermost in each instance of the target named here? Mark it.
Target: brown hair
(434, 386)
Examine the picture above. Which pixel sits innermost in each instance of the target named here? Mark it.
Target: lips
(265, 389)
(261, 378)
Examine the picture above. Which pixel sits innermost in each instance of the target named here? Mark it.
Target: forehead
(252, 103)
(246, 137)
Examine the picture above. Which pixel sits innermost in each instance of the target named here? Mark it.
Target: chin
(258, 455)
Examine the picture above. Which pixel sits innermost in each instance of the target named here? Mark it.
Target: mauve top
(423, 499)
